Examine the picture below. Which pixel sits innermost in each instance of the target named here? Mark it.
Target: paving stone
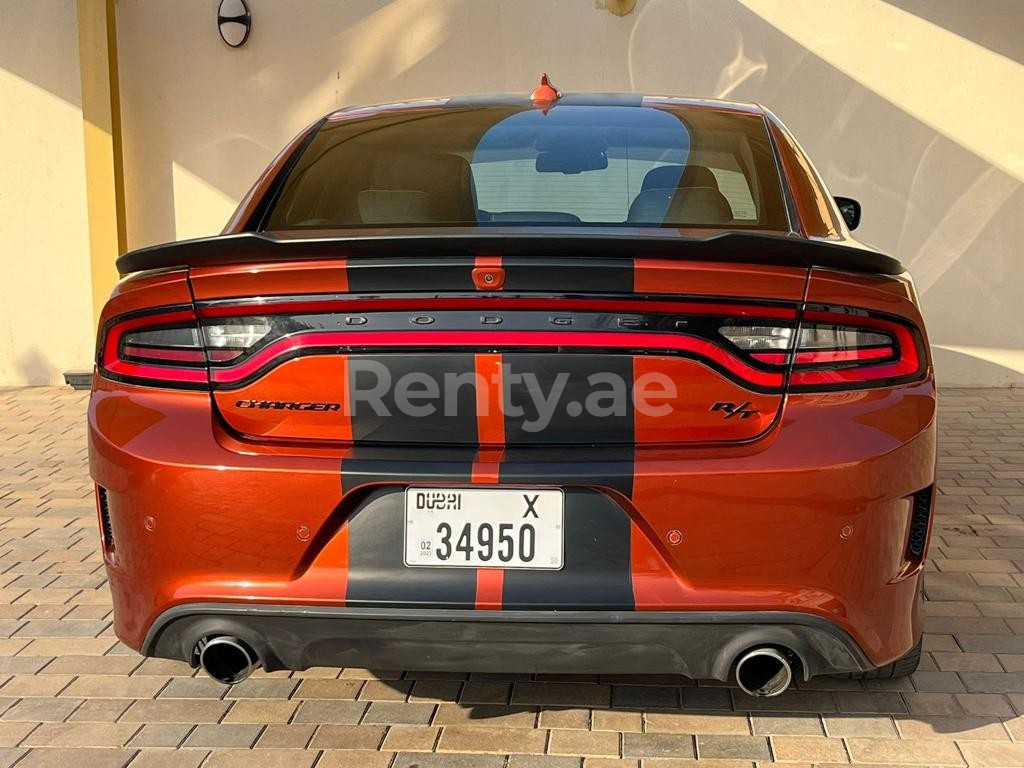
(263, 688)
(42, 710)
(81, 735)
(684, 722)
(788, 725)
(546, 761)
(328, 689)
(101, 710)
(286, 736)
(562, 694)
(808, 749)
(379, 690)
(78, 757)
(330, 711)
(733, 747)
(482, 692)
(175, 711)
(362, 758)
(623, 722)
(436, 691)
(930, 752)
(223, 735)
(488, 714)
(427, 760)
(574, 742)
(263, 758)
(645, 696)
(161, 735)
(185, 688)
(993, 755)
(411, 738)
(394, 712)
(261, 711)
(657, 745)
(113, 686)
(491, 739)
(860, 725)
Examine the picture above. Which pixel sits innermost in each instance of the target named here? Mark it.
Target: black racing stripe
(596, 572)
(583, 412)
(390, 275)
(610, 466)
(381, 420)
(579, 275)
(407, 465)
(377, 574)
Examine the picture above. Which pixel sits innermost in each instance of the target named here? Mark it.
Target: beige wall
(913, 106)
(46, 323)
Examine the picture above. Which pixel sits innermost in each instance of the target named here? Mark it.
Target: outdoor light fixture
(234, 22)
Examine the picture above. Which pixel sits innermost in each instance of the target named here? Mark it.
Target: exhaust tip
(226, 659)
(764, 672)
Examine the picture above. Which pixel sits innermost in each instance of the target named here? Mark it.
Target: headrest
(672, 176)
(686, 206)
(444, 183)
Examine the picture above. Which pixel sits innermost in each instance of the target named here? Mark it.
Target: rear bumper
(812, 520)
(699, 645)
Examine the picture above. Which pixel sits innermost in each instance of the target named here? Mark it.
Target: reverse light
(755, 337)
(236, 335)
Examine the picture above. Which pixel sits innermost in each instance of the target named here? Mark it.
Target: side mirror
(850, 209)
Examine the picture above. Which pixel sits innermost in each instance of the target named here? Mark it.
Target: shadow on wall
(36, 369)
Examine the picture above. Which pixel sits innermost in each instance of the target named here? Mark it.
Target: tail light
(170, 348)
(834, 348)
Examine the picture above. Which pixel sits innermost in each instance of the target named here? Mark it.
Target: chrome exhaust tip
(764, 672)
(226, 659)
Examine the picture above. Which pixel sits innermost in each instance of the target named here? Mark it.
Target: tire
(902, 667)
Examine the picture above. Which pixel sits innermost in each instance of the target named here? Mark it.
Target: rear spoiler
(554, 242)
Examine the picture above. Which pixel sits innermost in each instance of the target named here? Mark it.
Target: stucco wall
(46, 323)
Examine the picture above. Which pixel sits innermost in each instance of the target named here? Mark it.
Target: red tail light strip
(817, 357)
(168, 354)
(647, 342)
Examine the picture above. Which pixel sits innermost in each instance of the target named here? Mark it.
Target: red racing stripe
(487, 466)
(490, 584)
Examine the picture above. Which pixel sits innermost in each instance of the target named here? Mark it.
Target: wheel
(903, 666)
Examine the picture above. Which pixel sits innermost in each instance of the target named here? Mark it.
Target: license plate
(480, 527)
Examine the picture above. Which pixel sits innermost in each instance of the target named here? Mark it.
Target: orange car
(548, 383)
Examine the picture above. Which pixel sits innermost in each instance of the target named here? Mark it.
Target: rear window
(573, 165)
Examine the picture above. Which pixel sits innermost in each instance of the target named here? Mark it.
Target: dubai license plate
(481, 527)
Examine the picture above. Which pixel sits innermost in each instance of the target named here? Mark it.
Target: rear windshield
(513, 165)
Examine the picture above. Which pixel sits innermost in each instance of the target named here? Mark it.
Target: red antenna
(545, 94)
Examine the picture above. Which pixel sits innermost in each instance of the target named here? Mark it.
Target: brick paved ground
(66, 684)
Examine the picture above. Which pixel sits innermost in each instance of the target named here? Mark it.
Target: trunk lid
(511, 350)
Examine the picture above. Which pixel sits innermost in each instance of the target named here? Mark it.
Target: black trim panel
(698, 644)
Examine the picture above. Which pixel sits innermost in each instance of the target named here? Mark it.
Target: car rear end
(573, 387)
